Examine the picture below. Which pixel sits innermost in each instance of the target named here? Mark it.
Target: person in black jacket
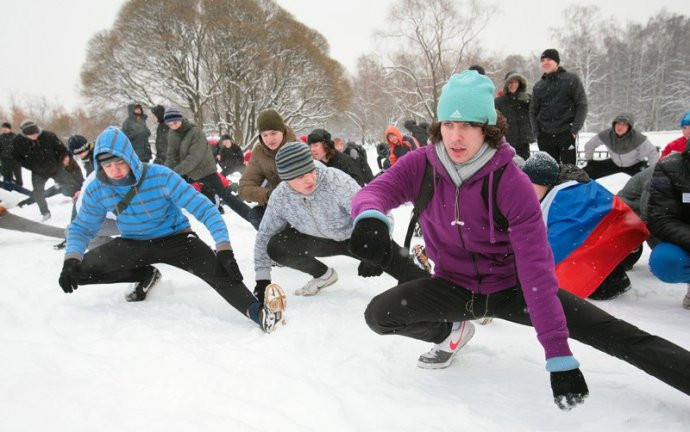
(46, 157)
(137, 131)
(514, 105)
(80, 147)
(357, 153)
(419, 131)
(558, 109)
(668, 219)
(11, 170)
(229, 156)
(161, 134)
(323, 149)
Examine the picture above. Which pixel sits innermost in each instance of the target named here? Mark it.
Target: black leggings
(129, 260)
(234, 202)
(426, 309)
(601, 168)
(561, 146)
(293, 249)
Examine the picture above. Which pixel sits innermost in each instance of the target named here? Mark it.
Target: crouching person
(308, 216)
(146, 200)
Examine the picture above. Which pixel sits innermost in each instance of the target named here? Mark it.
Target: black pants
(234, 202)
(66, 184)
(601, 168)
(12, 171)
(426, 309)
(256, 214)
(561, 146)
(128, 260)
(293, 249)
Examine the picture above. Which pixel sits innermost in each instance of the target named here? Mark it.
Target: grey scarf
(460, 172)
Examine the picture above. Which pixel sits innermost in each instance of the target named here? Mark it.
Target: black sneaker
(614, 285)
(61, 245)
(142, 288)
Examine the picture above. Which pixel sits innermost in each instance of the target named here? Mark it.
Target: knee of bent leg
(670, 263)
(277, 247)
(376, 316)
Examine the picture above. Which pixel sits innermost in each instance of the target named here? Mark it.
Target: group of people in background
(496, 220)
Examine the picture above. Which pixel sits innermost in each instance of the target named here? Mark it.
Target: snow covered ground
(185, 360)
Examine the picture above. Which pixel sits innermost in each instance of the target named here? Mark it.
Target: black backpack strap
(500, 219)
(426, 192)
(122, 205)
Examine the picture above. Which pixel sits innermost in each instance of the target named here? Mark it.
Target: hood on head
(113, 140)
(624, 118)
(512, 75)
(130, 110)
(393, 130)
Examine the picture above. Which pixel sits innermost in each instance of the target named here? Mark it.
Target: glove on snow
(367, 269)
(225, 260)
(569, 389)
(68, 276)
(370, 241)
(260, 289)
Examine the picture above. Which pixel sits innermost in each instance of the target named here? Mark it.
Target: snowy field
(185, 360)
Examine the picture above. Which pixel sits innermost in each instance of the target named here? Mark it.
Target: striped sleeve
(85, 226)
(185, 196)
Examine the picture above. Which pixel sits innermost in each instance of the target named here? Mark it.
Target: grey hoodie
(325, 213)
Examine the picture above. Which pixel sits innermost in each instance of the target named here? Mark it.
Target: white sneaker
(313, 286)
(686, 299)
(441, 355)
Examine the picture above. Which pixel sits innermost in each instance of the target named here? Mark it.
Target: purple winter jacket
(475, 254)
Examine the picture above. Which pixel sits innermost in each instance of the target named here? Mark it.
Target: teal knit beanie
(467, 97)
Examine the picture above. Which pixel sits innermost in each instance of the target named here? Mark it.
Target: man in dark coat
(359, 155)
(11, 170)
(161, 134)
(558, 109)
(668, 219)
(514, 105)
(137, 131)
(229, 156)
(46, 157)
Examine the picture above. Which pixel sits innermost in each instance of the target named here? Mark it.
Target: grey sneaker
(441, 355)
(142, 288)
(686, 299)
(267, 320)
(314, 286)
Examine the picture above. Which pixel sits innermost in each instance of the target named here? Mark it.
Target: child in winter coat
(146, 200)
(398, 144)
(308, 216)
(481, 270)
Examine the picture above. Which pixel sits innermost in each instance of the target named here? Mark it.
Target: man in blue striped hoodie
(146, 200)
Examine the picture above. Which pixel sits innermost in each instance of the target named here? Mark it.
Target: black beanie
(551, 54)
(6, 125)
(159, 112)
(541, 169)
(270, 120)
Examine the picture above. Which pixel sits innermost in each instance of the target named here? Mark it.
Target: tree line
(223, 61)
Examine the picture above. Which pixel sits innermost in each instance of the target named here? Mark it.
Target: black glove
(370, 241)
(367, 269)
(226, 263)
(569, 389)
(260, 289)
(68, 276)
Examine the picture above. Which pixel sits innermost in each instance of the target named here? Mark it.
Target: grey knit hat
(29, 127)
(541, 169)
(293, 160)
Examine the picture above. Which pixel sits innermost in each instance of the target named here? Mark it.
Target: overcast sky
(44, 41)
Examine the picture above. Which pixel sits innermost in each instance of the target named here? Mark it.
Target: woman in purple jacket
(482, 269)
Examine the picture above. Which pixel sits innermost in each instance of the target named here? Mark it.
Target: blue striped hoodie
(153, 212)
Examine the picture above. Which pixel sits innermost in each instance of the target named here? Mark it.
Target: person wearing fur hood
(514, 105)
(629, 150)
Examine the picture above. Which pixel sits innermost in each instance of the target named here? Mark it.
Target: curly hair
(492, 133)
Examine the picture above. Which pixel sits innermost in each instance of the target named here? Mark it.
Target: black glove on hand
(260, 289)
(68, 276)
(370, 241)
(225, 260)
(367, 269)
(569, 389)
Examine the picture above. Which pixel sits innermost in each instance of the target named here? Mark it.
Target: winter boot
(275, 301)
(142, 288)
(614, 285)
(686, 299)
(420, 258)
(314, 286)
(441, 355)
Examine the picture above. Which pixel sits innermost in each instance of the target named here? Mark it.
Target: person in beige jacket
(260, 177)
